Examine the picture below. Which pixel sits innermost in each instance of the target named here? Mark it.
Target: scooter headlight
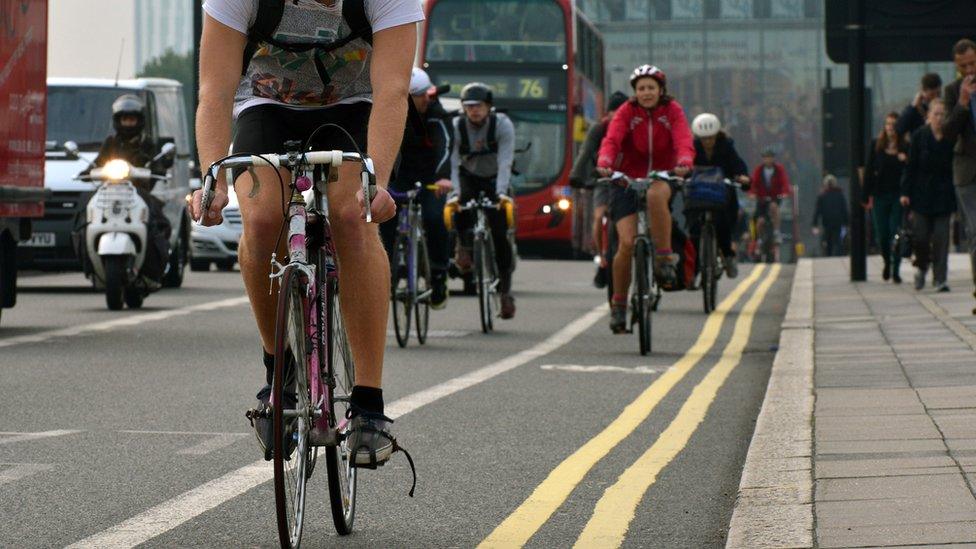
(116, 170)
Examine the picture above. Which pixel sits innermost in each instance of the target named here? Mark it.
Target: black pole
(855, 67)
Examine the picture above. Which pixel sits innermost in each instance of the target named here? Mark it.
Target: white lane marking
(214, 441)
(581, 368)
(21, 470)
(131, 320)
(174, 512)
(9, 437)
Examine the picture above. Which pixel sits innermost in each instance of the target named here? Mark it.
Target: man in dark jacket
(425, 157)
(130, 143)
(831, 213)
(960, 128)
(584, 175)
(913, 115)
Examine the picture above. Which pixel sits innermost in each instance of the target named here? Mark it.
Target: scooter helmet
(476, 92)
(128, 105)
(651, 71)
(706, 124)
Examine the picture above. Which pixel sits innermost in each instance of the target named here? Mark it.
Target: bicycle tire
(400, 292)
(292, 453)
(642, 305)
(422, 304)
(341, 373)
(708, 261)
(480, 276)
(494, 299)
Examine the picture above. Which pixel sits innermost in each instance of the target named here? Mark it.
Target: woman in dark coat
(927, 189)
(882, 188)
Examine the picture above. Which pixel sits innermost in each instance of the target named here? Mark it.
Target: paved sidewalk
(888, 457)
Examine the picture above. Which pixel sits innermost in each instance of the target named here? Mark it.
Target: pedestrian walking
(882, 187)
(927, 189)
(913, 116)
(831, 214)
(960, 129)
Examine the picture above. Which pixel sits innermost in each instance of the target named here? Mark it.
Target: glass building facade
(162, 25)
(760, 65)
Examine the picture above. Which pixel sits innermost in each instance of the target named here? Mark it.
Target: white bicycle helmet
(706, 124)
(648, 70)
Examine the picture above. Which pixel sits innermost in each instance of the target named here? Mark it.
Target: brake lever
(207, 195)
(368, 178)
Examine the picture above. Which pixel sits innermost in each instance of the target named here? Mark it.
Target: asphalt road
(122, 428)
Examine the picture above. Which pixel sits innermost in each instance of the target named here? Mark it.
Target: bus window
(542, 163)
(497, 30)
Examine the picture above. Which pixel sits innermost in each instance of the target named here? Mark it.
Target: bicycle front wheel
(483, 283)
(643, 302)
(341, 374)
(708, 261)
(401, 299)
(422, 303)
(292, 453)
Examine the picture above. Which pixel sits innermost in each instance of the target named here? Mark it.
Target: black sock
(369, 399)
(268, 366)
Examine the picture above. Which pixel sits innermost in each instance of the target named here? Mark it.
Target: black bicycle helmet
(128, 105)
(476, 92)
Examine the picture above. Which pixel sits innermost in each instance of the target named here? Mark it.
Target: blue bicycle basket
(706, 190)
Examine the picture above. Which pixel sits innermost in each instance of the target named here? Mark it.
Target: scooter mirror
(70, 149)
(168, 151)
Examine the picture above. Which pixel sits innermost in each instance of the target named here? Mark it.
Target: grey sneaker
(731, 265)
(618, 319)
(370, 440)
(920, 279)
(666, 269)
(261, 420)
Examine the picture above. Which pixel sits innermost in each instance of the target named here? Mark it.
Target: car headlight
(563, 204)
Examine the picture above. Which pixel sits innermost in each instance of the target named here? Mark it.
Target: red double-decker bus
(544, 61)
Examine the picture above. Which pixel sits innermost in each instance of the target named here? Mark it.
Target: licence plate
(40, 240)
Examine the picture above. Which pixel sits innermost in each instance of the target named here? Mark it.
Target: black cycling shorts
(623, 202)
(266, 128)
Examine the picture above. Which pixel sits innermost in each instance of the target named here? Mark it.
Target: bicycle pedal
(258, 413)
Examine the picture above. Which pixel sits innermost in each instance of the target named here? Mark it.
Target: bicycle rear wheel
(292, 453)
(422, 305)
(341, 375)
(482, 283)
(708, 261)
(401, 298)
(644, 298)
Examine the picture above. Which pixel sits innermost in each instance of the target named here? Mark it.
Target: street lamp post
(855, 68)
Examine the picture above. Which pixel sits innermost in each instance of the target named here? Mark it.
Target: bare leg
(364, 278)
(658, 197)
(626, 232)
(774, 214)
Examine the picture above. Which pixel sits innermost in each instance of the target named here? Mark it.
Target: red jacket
(779, 183)
(625, 146)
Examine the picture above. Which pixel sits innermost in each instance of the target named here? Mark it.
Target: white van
(80, 110)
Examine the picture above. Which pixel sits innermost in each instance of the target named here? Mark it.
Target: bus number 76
(531, 87)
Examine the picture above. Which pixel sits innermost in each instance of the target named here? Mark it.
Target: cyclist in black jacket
(425, 156)
(713, 148)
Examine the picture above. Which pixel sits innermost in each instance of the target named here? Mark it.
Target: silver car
(218, 244)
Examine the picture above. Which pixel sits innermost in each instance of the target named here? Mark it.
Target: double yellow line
(615, 510)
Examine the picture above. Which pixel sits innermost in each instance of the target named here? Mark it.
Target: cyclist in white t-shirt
(276, 75)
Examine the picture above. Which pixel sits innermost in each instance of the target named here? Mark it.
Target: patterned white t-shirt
(276, 76)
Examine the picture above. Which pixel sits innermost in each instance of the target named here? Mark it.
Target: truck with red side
(23, 103)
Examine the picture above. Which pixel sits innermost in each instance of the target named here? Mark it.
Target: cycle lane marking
(172, 513)
(126, 321)
(212, 442)
(617, 507)
(10, 437)
(525, 521)
(11, 472)
(599, 369)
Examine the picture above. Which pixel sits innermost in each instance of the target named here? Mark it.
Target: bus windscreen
(497, 30)
(542, 163)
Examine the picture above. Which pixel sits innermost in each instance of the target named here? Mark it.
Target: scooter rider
(130, 143)
(481, 161)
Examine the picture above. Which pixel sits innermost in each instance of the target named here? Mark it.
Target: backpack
(464, 147)
(269, 17)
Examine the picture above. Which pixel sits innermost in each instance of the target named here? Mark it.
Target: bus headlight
(563, 204)
(547, 209)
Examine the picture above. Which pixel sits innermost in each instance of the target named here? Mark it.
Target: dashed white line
(174, 512)
(213, 442)
(21, 470)
(130, 320)
(581, 368)
(9, 437)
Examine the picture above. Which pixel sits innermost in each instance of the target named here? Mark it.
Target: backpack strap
(265, 25)
(464, 146)
(354, 12)
(492, 126)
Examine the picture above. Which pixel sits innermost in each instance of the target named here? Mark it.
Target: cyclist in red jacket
(648, 132)
(770, 185)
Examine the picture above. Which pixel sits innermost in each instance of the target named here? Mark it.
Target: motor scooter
(117, 231)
